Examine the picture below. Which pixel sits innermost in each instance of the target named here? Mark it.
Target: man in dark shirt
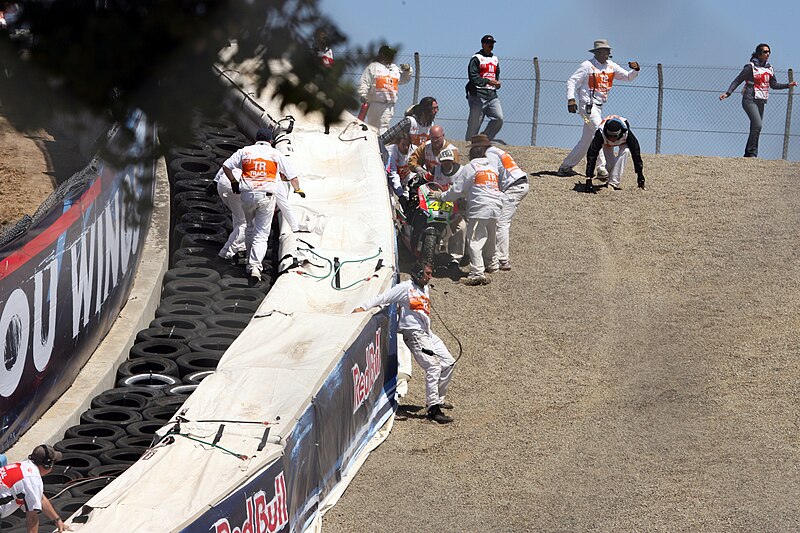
(484, 80)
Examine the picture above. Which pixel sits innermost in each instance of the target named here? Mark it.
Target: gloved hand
(211, 190)
(437, 194)
(589, 186)
(572, 107)
(300, 192)
(405, 66)
(640, 181)
(634, 65)
(235, 187)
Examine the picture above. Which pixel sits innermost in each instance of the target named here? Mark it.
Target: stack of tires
(206, 302)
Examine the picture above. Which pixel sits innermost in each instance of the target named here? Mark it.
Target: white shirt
(593, 81)
(414, 303)
(478, 181)
(261, 166)
(509, 171)
(28, 486)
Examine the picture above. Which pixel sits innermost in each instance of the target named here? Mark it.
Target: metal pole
(660, 107)
(416, 77)
(536, 91)
(788, 130)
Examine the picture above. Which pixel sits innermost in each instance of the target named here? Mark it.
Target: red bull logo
(262, 516)
(363, 382)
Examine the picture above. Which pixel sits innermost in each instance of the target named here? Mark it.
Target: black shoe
(435, 413)
(589, 187)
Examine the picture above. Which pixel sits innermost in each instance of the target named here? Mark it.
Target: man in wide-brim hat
(587, 92)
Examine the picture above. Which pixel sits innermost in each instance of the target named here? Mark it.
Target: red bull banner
(357, 398)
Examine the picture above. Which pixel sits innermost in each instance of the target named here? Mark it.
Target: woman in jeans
(759, 77)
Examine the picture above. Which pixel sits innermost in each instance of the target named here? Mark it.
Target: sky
(672, 32)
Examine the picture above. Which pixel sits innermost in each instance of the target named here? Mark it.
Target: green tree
(111, 56)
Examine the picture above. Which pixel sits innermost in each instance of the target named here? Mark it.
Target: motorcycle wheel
(429, 247)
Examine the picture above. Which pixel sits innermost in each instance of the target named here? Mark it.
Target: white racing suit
(592, 81)
(515, 187)
(478, 181)
(428, 350)
(261, 189)
(378, 87)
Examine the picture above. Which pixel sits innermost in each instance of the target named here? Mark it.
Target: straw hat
(601, 44)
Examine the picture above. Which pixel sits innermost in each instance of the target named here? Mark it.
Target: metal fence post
(788, 129)
(536, 91)
(660, 107)
(416, 77)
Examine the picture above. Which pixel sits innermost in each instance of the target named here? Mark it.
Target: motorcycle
(422, 221)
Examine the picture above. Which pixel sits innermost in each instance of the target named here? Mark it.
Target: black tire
(89, 487)
(177, 322)
(67, 506)
(120, 398)
(195, 262)
(208, 218)
(175, 401)
(118, 416)
(182, 300)
(223, 148)
(192, 252)
(60, 475)
(157, 381)
(213, 344)
(85, 445)
(196, 166)
(136, 441)
(429, 242)
(108, 471)
(207, 124)
(181, 390)
(122, 456)
(171, 349)
(247, 309)
(79, 462)
(170, 334)
(184, 286)
(50, 490)
(194, 274)
(178, 199)
(196, 205)
(197, 362)
(223, 134)
(233, 322)
(148, 393)
(197, 230)
(162, 413)
(194, 184)
(145, 428)
(240, 295)
(186, 310)
(196, 377)
(198, 150)
(148, 365)
(215, 242)
(108, 432)
(235, 283)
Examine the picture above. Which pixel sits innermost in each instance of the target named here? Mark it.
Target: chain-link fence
(672, 109)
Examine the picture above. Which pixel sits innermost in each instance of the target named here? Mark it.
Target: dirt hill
(637, 370)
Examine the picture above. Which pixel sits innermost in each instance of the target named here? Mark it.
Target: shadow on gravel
(404, 412)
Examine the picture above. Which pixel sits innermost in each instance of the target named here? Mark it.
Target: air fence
(673, 109)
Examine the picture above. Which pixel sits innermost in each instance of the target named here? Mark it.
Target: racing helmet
(614, 128)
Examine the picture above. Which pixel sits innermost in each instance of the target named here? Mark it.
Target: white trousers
(258, 210)
(233, 202)
(379, 115)
(434, 358)
(513, 196)
(615, 163)
(482, 235)
(589, 129)
(456, 238)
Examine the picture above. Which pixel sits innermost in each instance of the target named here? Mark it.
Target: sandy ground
(637, 370)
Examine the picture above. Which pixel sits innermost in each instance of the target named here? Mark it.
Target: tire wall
(65, 279)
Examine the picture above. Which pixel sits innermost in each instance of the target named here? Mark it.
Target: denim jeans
(480, 108)
(755, 112)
